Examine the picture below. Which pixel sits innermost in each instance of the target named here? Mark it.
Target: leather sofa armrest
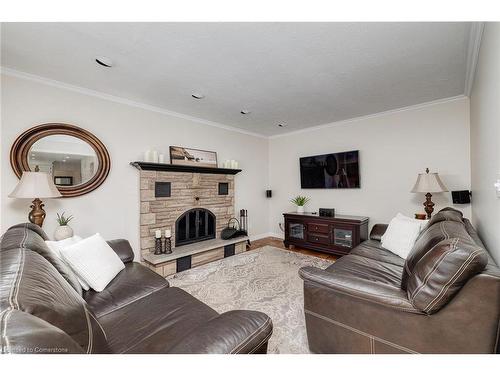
(378, 231)
(122, 249)
(233, 332)
(357, 287)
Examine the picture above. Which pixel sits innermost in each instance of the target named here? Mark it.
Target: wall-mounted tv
(330, 171)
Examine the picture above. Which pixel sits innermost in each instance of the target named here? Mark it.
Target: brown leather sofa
(445, 298)
(43, 308)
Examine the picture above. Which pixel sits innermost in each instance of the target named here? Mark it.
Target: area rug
(264, 279)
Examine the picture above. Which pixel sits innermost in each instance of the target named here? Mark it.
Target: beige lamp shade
(429, 183)
(35, 185)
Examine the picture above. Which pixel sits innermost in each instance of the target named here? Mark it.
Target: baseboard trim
(265, 235)
(256, 237)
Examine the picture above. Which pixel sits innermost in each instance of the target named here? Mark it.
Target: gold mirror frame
(20, 151)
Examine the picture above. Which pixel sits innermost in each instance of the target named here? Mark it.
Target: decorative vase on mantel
(63, 231)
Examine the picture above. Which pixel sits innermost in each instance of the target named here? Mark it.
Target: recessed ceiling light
(245, 111)
(64, 161)
(67, 157)
(197, 95)
(104, 61)
(282, 125)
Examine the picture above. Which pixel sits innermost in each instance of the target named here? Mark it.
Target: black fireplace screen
(194, 225)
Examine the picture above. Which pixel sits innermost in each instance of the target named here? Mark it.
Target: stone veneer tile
(144, 207)
(148, 218)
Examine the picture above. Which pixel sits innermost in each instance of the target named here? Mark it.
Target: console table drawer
(318, 238)
(318, 228)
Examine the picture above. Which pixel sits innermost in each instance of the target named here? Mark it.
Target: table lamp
(36, 185)
(428, 183)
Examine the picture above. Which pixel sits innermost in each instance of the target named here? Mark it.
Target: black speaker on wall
(460, 196)
(269, 193)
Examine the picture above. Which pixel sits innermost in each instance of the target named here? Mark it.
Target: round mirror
(69, 160)
(76, 160)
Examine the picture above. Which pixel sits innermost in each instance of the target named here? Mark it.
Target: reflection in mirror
(70, 160)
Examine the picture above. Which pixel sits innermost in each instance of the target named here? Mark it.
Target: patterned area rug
(264, 279)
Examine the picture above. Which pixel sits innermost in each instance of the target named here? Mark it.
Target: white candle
(168, 233)
(227, 164)
(158, 233)
(155, 156)
(234, 164)
(147, 156)
(161, 158)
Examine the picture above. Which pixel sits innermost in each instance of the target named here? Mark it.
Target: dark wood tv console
(336, 235)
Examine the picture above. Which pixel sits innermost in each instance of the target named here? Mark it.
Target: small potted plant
(300, 202)
(63, 231)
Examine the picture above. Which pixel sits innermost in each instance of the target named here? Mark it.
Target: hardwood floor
(277, 242)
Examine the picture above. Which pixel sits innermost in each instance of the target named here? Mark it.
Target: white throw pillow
(57, 246)
(94, 261)
(401, 235)
(423, 223)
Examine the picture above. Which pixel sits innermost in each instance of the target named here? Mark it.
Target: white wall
(393, 148)
(485, 140)
(113, 209)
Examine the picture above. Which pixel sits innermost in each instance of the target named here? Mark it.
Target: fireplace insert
(197, 224)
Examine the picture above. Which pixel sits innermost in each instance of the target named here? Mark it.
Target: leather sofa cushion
(155, 323)
(368, 269)
(31, 284)
(430, 237)
(28, 237)
(443, 271)
(234, 332)
(132, 283)
(373, 249)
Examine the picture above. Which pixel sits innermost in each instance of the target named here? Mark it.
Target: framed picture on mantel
(190, 156)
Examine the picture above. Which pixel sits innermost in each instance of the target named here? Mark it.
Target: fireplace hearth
(197, 224)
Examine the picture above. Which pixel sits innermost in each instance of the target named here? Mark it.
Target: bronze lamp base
(428, 205)
(37, 213)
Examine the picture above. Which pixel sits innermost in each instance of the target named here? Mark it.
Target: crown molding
(374, 115)
(120, 100)
(476, 34)
(97, 94)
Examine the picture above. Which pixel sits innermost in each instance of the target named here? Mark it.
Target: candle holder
(167, 248)
(157, 246)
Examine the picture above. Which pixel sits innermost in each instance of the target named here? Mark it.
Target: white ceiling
(299, 74)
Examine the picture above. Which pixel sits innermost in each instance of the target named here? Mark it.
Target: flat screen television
(330, 171)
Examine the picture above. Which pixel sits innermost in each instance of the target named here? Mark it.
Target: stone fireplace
(192, 206)
(195, 203)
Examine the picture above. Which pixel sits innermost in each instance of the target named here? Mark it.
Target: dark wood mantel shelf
(141, 165)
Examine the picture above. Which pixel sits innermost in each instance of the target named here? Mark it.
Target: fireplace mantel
(162, 167)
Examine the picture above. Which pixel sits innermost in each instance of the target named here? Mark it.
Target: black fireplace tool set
(236, 228)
